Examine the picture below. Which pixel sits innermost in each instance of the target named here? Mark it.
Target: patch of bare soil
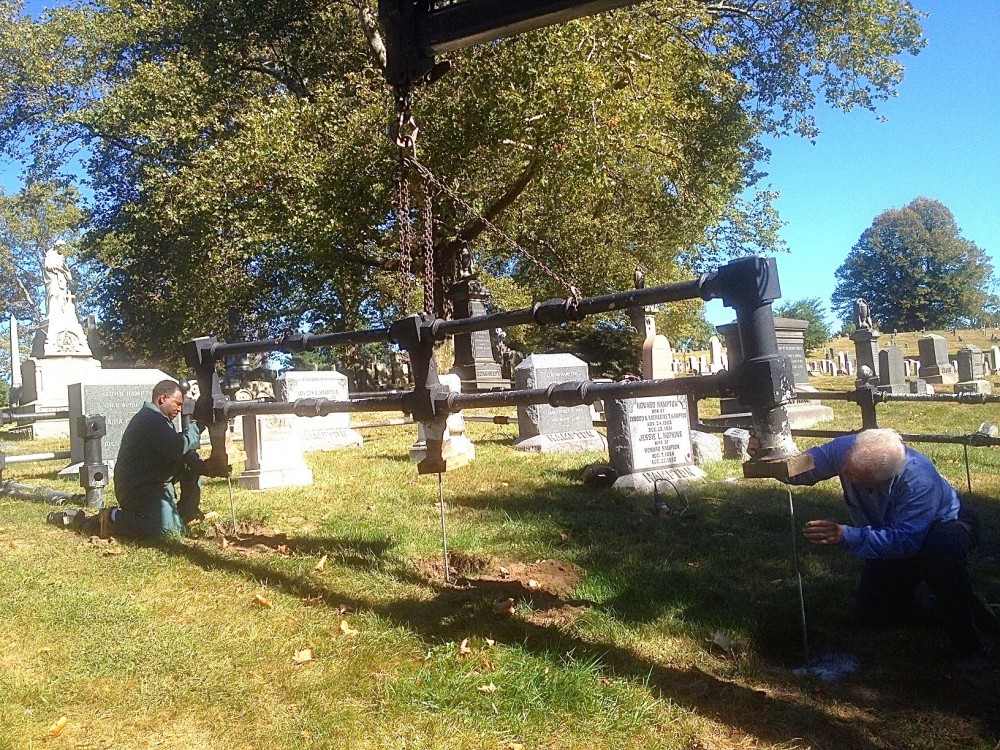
(545, 586)
(251, 539)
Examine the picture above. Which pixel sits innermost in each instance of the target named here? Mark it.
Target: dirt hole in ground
(545, 586)
(251, 539)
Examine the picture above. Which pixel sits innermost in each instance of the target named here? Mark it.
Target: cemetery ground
(329, 625)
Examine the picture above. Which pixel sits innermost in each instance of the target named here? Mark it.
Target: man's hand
(823, 532)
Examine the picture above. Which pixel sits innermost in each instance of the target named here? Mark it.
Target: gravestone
(705, 447)
(456, 448)
(649, 440)
(274, 454)
(657, 358)
(971, 371)
(866, 351)
(790, 333)
(970, 363)
(328, 433)
(715, 355)
(919, 385)
(994, 354)
(893, 375)
(736, 444)
(543, 428)
(474, 362)
(934, 365)
(116, 395)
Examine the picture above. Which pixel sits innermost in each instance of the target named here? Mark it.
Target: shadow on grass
(722, 562)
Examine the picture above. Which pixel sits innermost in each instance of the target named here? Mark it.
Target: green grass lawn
(164, 646)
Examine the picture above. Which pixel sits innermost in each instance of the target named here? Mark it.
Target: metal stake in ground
(798, 573)
(232, 506)
(444, 529)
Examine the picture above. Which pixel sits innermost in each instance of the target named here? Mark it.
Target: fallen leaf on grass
(282, 549)
(505, 608)
(321, 564)
(490, 643)
(463, 647)
(112, 551)
(515, 746)
(301, 656)
(44, 650)
(347, 629)
(57, 726)
(309, 601)
(505, 484)
(491, 688)
(504, 572)
(262, 601)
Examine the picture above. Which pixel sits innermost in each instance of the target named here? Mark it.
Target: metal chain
(404, 134)
(405, 234)
(429, 274)
(429, 177)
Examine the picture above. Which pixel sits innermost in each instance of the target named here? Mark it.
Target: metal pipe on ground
(40, 494)
(28, 458)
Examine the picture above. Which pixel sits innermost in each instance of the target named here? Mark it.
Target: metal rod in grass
(232, 505)
(444, 529)
(798, 573)
(968, 474)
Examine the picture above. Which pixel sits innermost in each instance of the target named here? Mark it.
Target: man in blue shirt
(910, 527)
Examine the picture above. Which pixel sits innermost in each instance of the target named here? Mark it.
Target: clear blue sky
(942, 141)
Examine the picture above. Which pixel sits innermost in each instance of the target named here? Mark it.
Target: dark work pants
(157, 517)
(887, 590)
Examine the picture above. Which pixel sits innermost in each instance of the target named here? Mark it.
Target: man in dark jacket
(909, 526)
(152, 457)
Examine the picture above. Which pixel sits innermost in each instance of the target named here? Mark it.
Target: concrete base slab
(564, 442)
(669, 480)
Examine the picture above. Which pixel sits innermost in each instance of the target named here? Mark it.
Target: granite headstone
(116, 395)
(649, 440)
(543, 428)
(328, 433)
(934, 365)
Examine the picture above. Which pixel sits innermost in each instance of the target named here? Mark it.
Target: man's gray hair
(878, 454)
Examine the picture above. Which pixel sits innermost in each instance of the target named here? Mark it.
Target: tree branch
(477, 226)
(125, 146)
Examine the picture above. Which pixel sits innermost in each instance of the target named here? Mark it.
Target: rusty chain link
(429, 274)
(429, 178)
(403, 133)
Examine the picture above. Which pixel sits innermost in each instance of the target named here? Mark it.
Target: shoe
(193, 518)
(90, 525)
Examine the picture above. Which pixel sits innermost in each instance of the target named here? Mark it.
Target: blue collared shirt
(889, 521)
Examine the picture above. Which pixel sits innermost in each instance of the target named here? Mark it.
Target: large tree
(915, 270)
(244, 183)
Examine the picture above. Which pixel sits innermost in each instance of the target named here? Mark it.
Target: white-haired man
(909, 525)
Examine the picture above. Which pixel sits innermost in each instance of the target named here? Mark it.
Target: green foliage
(810, 310)
(915, 271)
(244, 184)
